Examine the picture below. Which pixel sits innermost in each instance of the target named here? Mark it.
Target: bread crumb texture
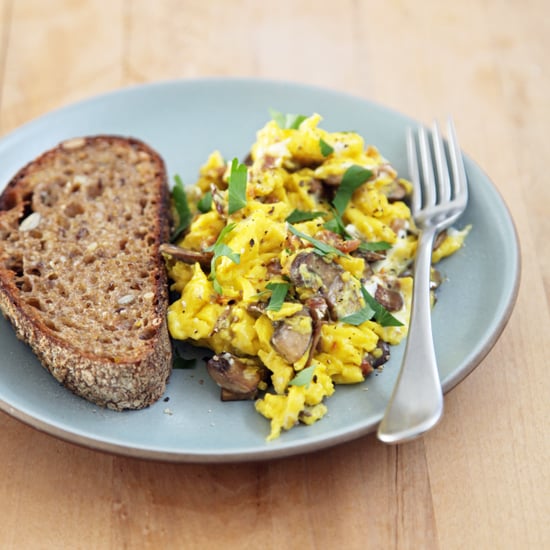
(80, 269)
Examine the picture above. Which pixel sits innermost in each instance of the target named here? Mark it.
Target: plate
(185, 121)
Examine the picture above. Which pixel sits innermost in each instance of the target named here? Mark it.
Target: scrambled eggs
(295, 267)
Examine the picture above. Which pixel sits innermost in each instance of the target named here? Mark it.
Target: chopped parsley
(381, 315)
(353, 178)
(371, 309)
(182, 207)
(319, 247)
(287, 121)
(326, 149)
(336, 225)
(304, 377)
(297, 215)
(278, 295)
(205, 204)
(375, 246)
(359, 317)
(221, 249)
(237, 186)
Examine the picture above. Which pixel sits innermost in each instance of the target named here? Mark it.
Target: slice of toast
(81, 276)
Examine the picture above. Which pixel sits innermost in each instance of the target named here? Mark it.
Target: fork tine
(412, 157)
(428, 176)
(457, 163)
(443, 177)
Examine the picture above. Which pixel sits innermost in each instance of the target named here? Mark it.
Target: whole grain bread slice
(81, 276)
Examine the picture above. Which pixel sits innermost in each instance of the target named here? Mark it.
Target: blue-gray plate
(185, 121)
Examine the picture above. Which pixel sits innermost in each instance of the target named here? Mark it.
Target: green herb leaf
(278, 295)
(359, 317)
(336, 225)
(221, 249)
(182, 207)
(375, 246)
(326, 149)
(205, 204)
(297, 216)
(382, 316)
(237, 186)
(319, 246)
(372, 309)
(287, 121)
(304, 377)
(353, 178)
(223, 233)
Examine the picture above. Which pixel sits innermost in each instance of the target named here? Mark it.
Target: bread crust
(129, 370)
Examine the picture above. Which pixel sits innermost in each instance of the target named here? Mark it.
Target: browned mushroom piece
(337, 241)
(370, 256)
(188, 256)
(309, 270)
(375, 358)
(237, 377)
(226, 395)
(292, 336)
(274, 267)
(318, 307)
(314, 188)
(395, 191)
(390, 298)
(441, 236)
(343, 297)
(256, 309)
(218, 200)
(435, 279)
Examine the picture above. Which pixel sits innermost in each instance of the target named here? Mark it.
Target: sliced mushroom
(218, 200)
(318, 307)
(292, 336)
(390, 298)
(395, 191)
(435, 279)
(439, 239)
(274, 267)
(256, 309)
(343, 297)
(333, 239)
(310, 270)
(186, 255)
(366, 366)
(315, 188)
(226, 395)
(237, 376)
(376, 358)
(370, 256)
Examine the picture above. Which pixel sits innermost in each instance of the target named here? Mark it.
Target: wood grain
(481, 478)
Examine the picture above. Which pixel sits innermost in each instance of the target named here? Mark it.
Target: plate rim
(311, 444)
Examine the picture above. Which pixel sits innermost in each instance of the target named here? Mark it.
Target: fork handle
(416, 403)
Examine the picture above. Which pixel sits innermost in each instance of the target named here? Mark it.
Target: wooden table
(481, 479)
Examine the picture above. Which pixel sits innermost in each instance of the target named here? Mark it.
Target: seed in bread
(81, 276)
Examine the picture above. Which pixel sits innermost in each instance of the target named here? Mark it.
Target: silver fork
(439, 198)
